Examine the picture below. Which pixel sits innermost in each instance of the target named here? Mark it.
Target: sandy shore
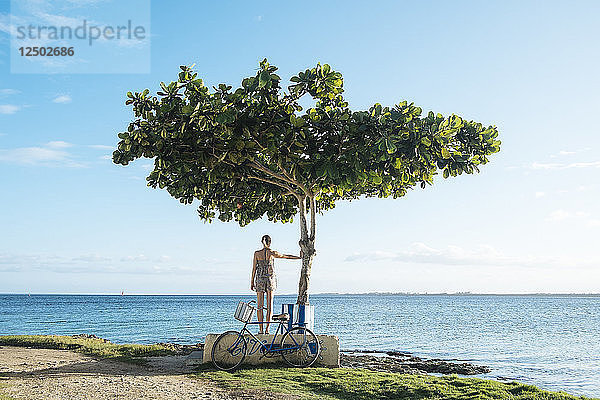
(60, 374)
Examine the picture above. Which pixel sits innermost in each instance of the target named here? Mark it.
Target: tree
(250, 152)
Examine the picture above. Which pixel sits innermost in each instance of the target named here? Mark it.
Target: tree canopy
(253, 151)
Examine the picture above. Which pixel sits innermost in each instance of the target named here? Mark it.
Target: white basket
(243, 312)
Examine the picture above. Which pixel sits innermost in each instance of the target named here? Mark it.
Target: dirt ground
(61, 374)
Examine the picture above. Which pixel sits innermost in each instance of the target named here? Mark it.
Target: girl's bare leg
(269, 308)
(259, 303)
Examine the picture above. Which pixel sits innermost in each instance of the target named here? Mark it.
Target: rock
(87, 336)
(405, 364)
(183, 349)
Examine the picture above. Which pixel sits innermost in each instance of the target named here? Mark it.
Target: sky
(71, 221)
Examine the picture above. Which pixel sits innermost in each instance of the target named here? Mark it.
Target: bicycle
(299, 346)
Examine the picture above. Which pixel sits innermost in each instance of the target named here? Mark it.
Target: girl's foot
(261, 332)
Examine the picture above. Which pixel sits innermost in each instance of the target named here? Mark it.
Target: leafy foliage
(253, 151)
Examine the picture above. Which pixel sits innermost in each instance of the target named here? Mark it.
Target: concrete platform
(329, 357)
(195, 358)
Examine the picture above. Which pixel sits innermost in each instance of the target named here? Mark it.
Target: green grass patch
(93, 347)
(4, 396)
(358, 384)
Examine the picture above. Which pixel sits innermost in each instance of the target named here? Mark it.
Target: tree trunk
(308, 253)
(307, 245)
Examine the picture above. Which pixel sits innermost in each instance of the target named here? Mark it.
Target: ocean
(550, 341)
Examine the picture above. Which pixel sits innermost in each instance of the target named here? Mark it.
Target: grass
(4, 396)
(308, 383)
(358, 384)
(132, 353)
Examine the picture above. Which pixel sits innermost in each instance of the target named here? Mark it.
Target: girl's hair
(266, 240)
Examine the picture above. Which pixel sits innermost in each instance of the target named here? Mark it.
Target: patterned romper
(265, 279)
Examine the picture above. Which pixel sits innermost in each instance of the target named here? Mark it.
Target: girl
(264, 279)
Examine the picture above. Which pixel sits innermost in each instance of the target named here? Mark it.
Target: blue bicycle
(299, 346)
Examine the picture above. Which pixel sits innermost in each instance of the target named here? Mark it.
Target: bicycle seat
(281, 317)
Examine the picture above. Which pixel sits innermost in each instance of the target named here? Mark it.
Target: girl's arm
(253, 272)
(277, 254)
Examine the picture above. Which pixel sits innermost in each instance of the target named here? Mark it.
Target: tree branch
(321, 178)
(294, 181)
(312, 218)
(281, 185)
(286, 176)
(267, 171)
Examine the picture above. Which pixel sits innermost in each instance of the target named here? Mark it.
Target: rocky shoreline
(393, 361)
(383, 361)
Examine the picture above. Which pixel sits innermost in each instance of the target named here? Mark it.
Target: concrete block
(329, 357)
(194, 358)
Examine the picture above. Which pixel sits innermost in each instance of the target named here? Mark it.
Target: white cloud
(164, 259)
(539, 194)
(584, 188)
(9, 108)
(59, 144)
(558, 215)
(137, 258)
(5, 23)
(594, 223)
(62, 99)
(32, 155)
(58, 20)
(563, 215)
(95, 263)
(454, 255)
(91, 258)
(566, 153)
(50, 154)
(101, 147)
(7, 92)
(558, 166)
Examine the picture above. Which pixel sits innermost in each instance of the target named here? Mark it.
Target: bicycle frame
(270, 347)
(245, 343)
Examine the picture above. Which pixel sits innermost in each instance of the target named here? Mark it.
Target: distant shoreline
(465, 294)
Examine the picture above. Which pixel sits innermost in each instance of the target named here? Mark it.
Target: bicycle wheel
(300, 347)
(228, 351)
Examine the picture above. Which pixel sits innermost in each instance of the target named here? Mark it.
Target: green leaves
(264, 78)
(226, 117)
(375, 178)
(228, 148)
(390, 146)
(297, 122)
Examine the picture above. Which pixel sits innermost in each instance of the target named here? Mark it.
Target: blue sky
(73, 222)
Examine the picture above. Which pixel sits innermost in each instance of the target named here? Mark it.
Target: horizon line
(313, 294)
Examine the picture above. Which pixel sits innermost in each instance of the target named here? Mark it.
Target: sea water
(549, 341)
